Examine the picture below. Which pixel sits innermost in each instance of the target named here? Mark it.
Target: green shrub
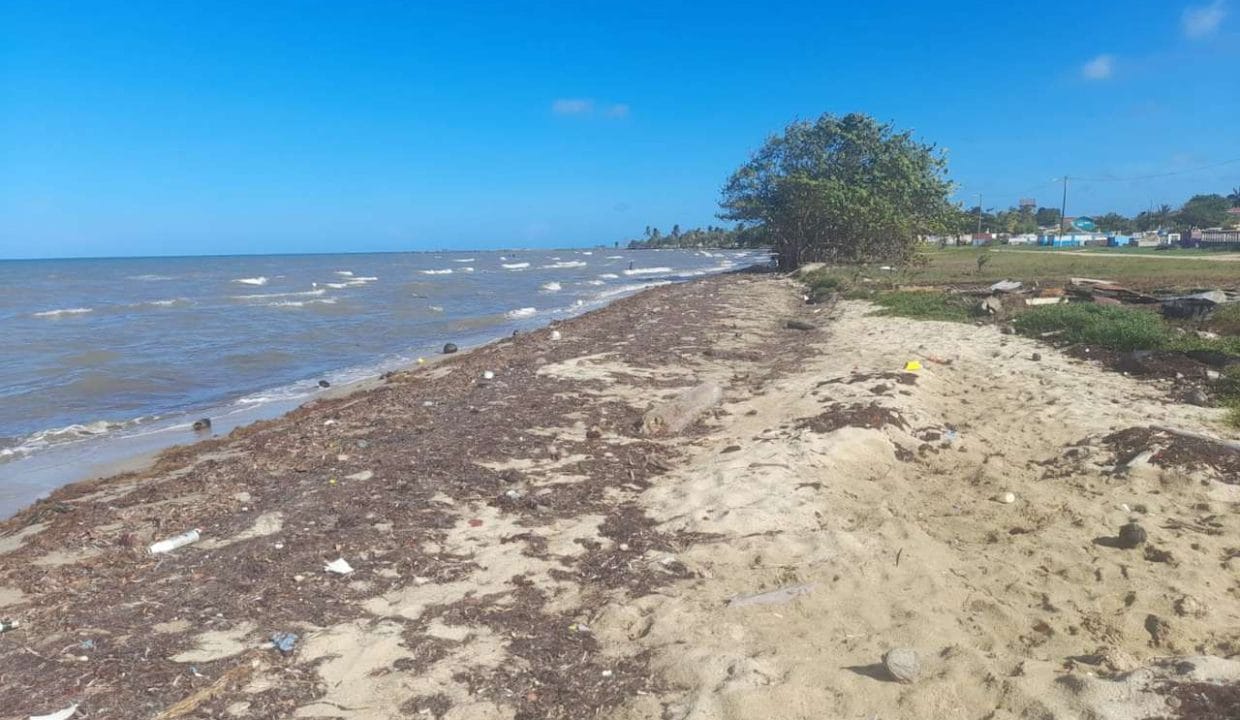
(1226, 319)
(821, 284)
(1118, 328)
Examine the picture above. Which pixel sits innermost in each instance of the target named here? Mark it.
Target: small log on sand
(676, 415)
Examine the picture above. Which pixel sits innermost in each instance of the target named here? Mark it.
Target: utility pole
(979, 213)
(1063, 209)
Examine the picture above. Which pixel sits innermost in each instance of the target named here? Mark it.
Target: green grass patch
(924, 305)
(1187, 268)
(1118, 328)
(1228, 389)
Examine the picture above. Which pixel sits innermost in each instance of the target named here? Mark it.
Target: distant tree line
(1200, 211)
(710, 236)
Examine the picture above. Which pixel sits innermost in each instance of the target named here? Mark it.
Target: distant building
(1023, 239)
(1220, 239)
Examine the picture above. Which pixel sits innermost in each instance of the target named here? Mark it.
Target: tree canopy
(1204, 211)
(841, 189)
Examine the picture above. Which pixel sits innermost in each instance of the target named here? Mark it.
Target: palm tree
(1234, 197)
(1162, 215)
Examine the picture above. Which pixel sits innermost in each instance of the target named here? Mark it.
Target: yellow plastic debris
(912, 366)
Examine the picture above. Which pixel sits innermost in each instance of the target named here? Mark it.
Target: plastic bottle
(175, 542)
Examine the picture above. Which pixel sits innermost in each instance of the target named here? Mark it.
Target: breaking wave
(61, 313)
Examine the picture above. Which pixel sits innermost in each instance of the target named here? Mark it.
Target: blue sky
(133, 128)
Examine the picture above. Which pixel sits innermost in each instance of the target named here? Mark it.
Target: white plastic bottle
(174, 542)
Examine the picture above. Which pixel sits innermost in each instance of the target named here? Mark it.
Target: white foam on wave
(268, 296)
(516, 266)
(609, 276)
(260, 280)
(647, 271)
(169, 302)
(46, 438)
(595, 282)
(302, 303)
(521, 313)
(445, 271)
(435, 308)
(467, 268)
(550, 287)
(587, 252)
(565, 264)
(63, 312)
(150, 278)
(345, 273)
(615, 257)
(625, 290)
(462, 260)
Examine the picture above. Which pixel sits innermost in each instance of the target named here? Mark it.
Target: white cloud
(619, 110)
(1200, 21)
(1100, 68)
(572, 106)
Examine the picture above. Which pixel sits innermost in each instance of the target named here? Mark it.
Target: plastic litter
(58, 715)
(340, 567)
(912, 366)
(488, 375)
(285, 642)
(6, 625)
(555, 335)
(175, 542)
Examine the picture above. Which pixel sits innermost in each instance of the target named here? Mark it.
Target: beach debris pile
(1195, 305)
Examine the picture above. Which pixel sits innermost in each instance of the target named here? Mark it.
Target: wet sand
(521, 549)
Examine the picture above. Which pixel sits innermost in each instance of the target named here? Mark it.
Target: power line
(1160, 175)
(1134, 178)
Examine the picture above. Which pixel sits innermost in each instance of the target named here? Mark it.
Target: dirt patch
(857, 415)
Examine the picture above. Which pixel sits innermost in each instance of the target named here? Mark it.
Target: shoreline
(30, 478)
(523, 546)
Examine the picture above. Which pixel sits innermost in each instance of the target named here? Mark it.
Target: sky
(174, 128)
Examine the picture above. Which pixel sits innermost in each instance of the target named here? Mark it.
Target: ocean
(108, 358)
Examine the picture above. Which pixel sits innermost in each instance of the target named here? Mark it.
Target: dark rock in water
(324, 383)
(1036, 357)
(202, 424)
(594, 433)
(798, 325)
(449, 348)
(1131, 535)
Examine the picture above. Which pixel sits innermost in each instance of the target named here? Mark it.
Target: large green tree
(1114, 222)
(841, 189)
(1204, 211)
(1048, 217)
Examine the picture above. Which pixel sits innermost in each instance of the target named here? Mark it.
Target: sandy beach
(520, 546)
